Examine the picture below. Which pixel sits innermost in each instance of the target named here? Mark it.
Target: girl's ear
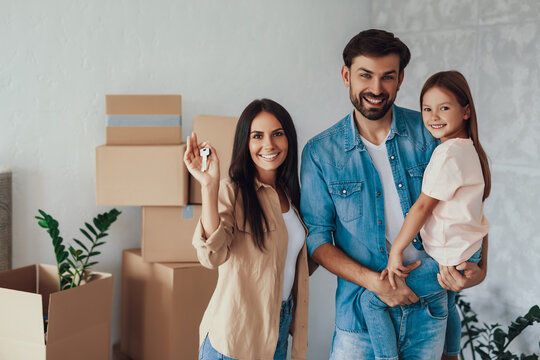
(467, 114)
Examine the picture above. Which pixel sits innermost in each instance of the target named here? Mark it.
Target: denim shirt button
(400, 185)
(378, 193)
(344, 191)
(392, 157)
(382, 249)
(414, 240)
(380, 222)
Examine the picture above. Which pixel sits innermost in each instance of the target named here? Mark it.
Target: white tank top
(297, 236)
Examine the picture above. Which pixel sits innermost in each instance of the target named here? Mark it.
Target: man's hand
(451, 279)
(402, 295)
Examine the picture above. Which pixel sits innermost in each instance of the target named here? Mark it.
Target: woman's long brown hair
(243, 171)
(456, 83)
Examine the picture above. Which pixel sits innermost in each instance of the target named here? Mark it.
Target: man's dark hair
(376, 43)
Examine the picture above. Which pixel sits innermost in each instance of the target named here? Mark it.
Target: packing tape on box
(188, 212)
(144, 120)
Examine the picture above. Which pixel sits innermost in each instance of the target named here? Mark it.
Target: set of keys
(205, 153)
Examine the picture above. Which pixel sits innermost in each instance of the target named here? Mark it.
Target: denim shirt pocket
(347, 197)
(416, 174)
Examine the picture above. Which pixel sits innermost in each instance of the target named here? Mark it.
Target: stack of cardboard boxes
(164, 289)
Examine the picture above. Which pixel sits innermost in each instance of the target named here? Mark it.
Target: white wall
(59, 59)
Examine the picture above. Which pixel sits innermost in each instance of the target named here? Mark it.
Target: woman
(251, 230)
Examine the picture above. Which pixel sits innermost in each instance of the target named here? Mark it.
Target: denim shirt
(342, 196)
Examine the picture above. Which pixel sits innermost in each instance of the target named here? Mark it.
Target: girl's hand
(395, 267)
(194, 161)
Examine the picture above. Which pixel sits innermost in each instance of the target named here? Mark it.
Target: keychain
(205, 152)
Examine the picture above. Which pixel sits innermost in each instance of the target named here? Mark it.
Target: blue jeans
(423, 282)
(453, 328)
(420, 333)
(207, 351)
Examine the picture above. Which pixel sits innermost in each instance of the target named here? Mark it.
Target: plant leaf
(89, 227)
(499, 338)
(81, 244)
(87, 235)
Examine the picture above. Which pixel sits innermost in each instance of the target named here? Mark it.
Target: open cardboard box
(79, 318)
(167, 232)
(162, 307)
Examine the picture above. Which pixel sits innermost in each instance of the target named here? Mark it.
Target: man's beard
(370, 113)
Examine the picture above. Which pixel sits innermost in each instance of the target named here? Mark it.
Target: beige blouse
(242, 318)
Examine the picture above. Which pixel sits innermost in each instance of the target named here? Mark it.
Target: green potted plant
(76, 299)
(73, 271)
(489, 342)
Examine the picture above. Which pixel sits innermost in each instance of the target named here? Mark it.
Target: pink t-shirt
(457, 226)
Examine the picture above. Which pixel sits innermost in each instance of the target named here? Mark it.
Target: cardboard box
(79, 318)
(144, 119)
(166, 233)
(141, 175)
(219, 132)
(162, 307)
(117, 353)
(144, 135)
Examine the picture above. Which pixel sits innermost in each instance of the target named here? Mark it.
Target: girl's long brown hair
(456, 83)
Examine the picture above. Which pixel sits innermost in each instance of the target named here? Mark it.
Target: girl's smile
(443, 115)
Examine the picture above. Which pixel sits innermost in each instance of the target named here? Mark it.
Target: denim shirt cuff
(316, 240)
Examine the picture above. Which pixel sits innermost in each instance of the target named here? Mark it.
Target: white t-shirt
(297, 236)
(457, 226)
(393, 214)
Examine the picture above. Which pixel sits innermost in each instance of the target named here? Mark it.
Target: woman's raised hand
(194, 162)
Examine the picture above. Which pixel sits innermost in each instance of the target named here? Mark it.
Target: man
(359, 179)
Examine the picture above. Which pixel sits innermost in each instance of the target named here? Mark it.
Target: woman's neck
(267, 177)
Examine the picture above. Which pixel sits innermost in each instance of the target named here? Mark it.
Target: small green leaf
(94, 253)
(90, 228)
(43, 224)
(81, 244)
(87, 235)
(534, 313)
(64, 256)
(499, 338)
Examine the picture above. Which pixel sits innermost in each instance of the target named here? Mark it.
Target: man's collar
(352, 136)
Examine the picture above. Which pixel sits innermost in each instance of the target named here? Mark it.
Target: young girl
(251, 230)
(448, 214)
